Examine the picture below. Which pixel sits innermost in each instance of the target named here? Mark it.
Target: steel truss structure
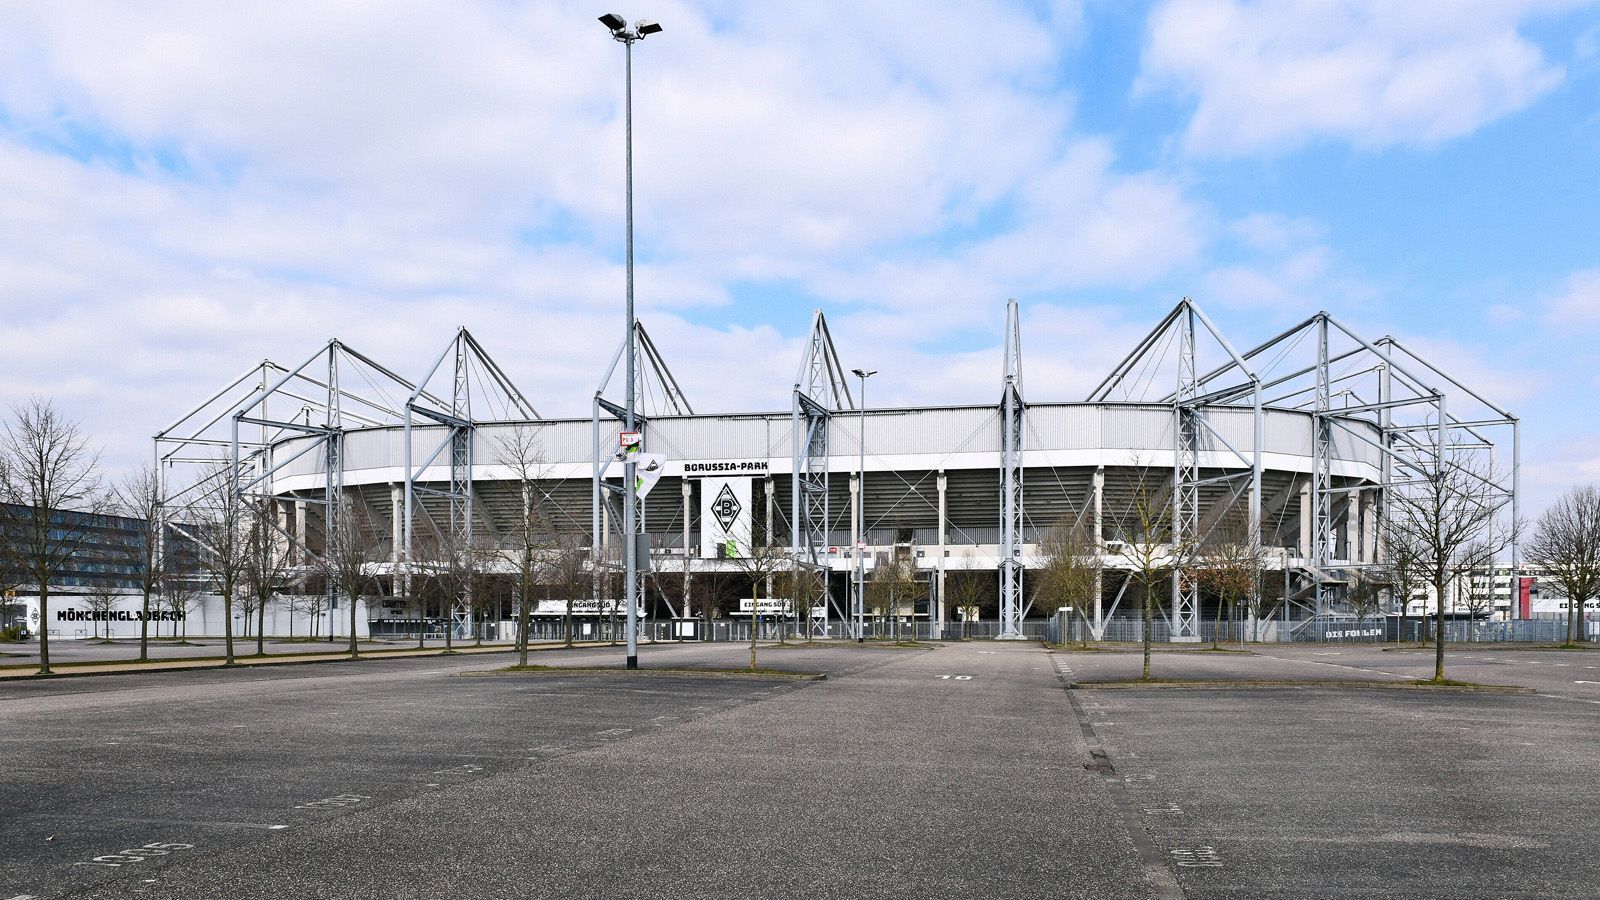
(820, 390)
(657, 389)
(1412, 419)
(1424, 421)
(208, 460)
(473, 375)
(222, 451)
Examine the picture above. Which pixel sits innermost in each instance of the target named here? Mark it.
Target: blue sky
(185, 190)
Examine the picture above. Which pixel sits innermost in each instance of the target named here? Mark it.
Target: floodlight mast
(861, 511)
(625, 35)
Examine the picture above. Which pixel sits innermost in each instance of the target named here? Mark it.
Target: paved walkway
(272, 659)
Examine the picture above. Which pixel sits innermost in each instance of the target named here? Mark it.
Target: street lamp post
(626, 35)
(861, 513)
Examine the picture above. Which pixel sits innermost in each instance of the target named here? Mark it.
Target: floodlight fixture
(631, 521)
(862, 374)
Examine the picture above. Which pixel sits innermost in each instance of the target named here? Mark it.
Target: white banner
(583, 606)
(724, 517)
(776, 606)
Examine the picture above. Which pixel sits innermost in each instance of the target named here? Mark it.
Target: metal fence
(1065, 628)
(1335, 630)
(1131, 630)
(1539, 630)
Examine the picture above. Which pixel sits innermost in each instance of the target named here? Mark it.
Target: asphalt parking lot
(967, 770)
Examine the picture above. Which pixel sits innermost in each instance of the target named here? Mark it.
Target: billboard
(725, 518)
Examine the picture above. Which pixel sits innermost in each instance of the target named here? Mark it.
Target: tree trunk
(755, 619)
(261, 626)
(1149, 634)
(354, 651)
(44, 626)
(227, 622)
(1438, 637)
(1216, 625)
(568, 623)
(522, 627)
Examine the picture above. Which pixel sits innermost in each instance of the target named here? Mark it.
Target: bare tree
(1477, 595)
(761, 562)
(1566, 545)
(12, 577)
(491, 586)
(101, 599)
(1229, 563)
(139, 498)
(892, 583)
(1401, 570)
(804, 586)
(1151, 549)
(267, 567)
(967, 592)
(1444, 521)
(450, 564)
(567, 573)
(349, 558)
(222, 542)
(523, 453)
(178, 598)
(313, 607)
(1068, 573)
(711, 593)
(1364, 598)
(50, 496)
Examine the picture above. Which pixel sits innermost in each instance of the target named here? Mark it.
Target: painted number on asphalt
(954, 677)
(338, 802)
(1198, 858)
(135, 854)
(464, 769)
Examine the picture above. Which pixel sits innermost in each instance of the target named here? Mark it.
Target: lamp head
(648, 28)
(613, 21)
(860, 373)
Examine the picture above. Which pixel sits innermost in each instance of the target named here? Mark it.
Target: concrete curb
(1301, 685)
(658, 673)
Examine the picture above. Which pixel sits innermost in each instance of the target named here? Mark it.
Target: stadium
(1190, 440)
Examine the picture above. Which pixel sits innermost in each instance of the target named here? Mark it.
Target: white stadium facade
(1297, 439)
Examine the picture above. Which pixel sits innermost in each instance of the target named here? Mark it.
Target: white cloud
(188, 191)
(1271, 76)
(1578, 304)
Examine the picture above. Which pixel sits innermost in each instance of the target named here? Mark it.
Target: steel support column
(1011, 432)
(1185, 486)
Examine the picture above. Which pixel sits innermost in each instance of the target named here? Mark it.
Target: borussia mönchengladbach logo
(726, 509)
